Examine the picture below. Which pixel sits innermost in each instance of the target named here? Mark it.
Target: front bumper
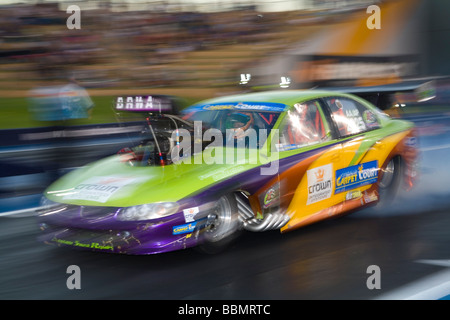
(103, 233)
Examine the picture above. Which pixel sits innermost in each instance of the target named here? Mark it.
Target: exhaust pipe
(271, 221)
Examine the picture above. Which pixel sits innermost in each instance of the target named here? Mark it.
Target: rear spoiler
(383, 96)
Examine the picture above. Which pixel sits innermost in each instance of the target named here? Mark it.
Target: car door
(311, 151)
(362, 146)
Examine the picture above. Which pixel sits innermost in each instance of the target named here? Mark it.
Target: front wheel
(223, 225)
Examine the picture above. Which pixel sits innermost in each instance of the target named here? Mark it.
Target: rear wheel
(390, 180)
(223, 225)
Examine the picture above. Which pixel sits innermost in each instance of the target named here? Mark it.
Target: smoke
(432, 188)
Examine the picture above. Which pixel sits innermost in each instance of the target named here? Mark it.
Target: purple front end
(97, 229)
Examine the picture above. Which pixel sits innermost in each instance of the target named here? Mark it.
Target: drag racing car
(275, 160)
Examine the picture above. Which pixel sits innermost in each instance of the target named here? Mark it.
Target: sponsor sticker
(190, 213)
(353, 195)
(271, 197)
(319, 183)
(370, 119)
(356, 176)
(370, 197)
(267, 106)
(184, 228)
(281, 147)
(76, 243)
(100, 189)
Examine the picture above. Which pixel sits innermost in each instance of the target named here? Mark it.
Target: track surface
(408, 242)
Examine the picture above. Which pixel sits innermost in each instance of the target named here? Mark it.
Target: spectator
(56, 108)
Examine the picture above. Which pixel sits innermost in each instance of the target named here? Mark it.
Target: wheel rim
(220, 221)
(388, 175)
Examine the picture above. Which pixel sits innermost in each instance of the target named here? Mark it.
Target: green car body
(227, 196)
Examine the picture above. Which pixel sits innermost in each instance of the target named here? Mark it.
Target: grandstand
(166, 51)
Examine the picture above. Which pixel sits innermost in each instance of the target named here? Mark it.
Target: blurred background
(200, 48)
(197, 49)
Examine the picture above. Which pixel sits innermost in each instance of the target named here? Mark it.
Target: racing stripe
(373, 143)
(382, 149)
(365, 145)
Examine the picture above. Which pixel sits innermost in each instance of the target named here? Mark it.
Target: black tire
(390, 181)
(223, 226)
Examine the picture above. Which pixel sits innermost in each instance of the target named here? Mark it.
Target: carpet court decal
(356, 176)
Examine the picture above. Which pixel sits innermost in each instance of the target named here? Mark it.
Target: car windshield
(235, 124)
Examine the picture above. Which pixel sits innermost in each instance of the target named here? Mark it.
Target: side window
(303, 125)
(350, 116)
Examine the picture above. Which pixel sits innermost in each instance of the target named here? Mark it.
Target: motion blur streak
(431, 190)
(199, 50)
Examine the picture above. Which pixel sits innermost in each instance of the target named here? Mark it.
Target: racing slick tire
(390, 181)
(223, 226)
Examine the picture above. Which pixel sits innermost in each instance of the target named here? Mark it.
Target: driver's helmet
(239, 120)
(302, 110)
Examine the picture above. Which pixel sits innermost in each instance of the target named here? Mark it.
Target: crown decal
(319, 175)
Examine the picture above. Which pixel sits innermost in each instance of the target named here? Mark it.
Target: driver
(239, 123)
(303, 128)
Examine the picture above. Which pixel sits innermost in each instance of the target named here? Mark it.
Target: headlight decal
(149, 211)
